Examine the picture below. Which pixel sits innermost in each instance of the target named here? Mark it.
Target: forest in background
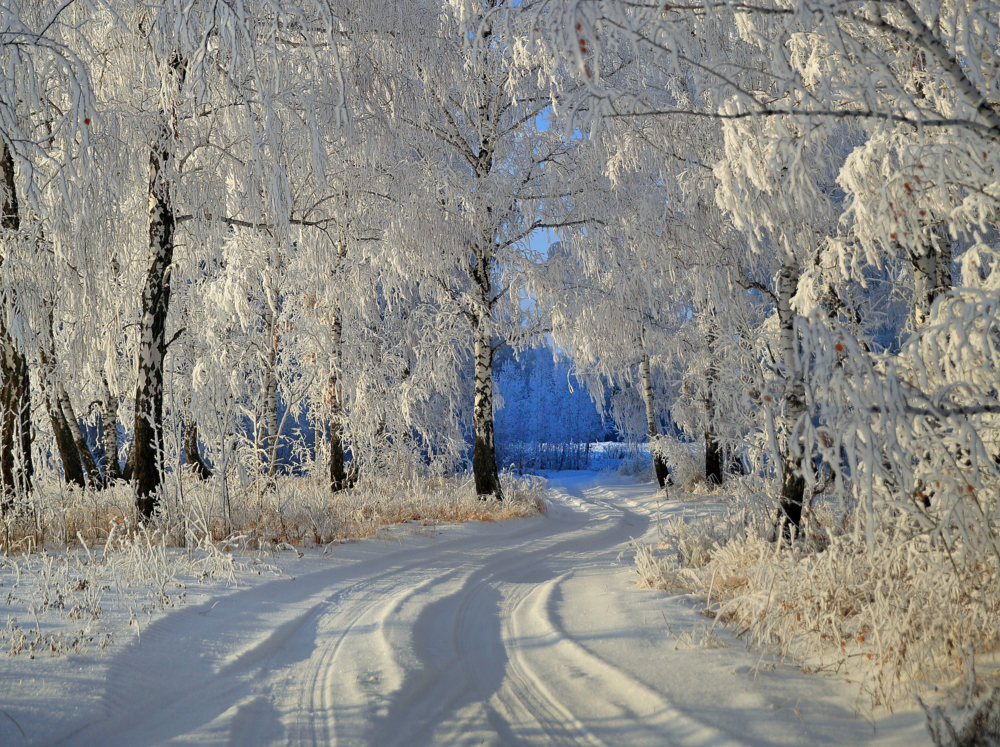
(777, 232)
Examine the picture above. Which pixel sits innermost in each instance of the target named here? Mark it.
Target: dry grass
(898, 619)
(295, 511)
(303, 513)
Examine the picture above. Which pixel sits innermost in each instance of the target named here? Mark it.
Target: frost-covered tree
(484, 175)
(220, 119)
(613, 316)
(15, 397)
(775, 140)
(46, 107)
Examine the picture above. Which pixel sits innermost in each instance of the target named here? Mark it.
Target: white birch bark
(484, 450)
(270, 427)
(659, 464)
(931, 276)
(792, 482)
(148, 429)
(16, 467)
(109, 429)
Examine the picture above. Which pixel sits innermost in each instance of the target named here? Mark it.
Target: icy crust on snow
(520, 632)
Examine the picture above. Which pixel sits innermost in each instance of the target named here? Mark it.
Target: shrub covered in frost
(899, 615)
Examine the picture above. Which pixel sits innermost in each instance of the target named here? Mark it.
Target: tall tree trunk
(195, 462)
(109, 434)
(931, 275)
(338, 472)
(73, 447)
(147, 442)
(484, 457)
(82, 447)
(792, 483)
(484, 453)
(148, 435)
(713, 451)
(69, 455)
(340, 477)
(659, 463)
(16, 466)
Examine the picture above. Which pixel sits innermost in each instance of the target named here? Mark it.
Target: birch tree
(16, 465)
(490, 178)
(216, 120)
(45, 107)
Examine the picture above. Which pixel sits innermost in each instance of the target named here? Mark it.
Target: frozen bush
(897, 615)
(637, 464)
(685, 470)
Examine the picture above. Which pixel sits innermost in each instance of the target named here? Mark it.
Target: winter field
(522, 631)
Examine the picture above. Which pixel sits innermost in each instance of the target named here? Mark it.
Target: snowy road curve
(522, 633)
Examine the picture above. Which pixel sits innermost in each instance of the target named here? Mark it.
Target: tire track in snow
(181, 678)
(197, 669)
(413, 628)
(563, 675)
(349, 691)
(336, 680)
(455, 642)
(453, 698)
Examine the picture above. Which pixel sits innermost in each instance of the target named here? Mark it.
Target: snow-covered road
(527, 632)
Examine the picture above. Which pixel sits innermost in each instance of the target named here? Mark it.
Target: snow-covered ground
(525, 632)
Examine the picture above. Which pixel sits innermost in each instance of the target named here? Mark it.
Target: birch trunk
(659, 463)
(792, 482)
(16, 467)
(484, 458)
(484, 454)
(924, 263)
(270, 441)
(146, 455)
(148, 438)
(931, 276)
(68, 453)
(713, 451)
(109, 434)
(65, 444)
(340, 477)
(83, 448)
(338, 471)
